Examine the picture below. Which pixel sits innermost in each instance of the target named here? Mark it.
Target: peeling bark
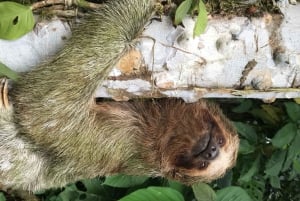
(245, 57)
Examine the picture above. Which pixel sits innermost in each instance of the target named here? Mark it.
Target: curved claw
(4, 103)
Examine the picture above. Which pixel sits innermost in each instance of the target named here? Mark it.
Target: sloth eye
(203, 165)
(221, 141)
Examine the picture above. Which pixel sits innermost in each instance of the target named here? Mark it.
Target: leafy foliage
(154, 194)
(123, 181)
(201, 21)
(203, 192)
(268, 166)
(191, 7)
(233, 193)
(2, 197)
(182, 10)
(16, 20)
(269, 134)
(5, 71)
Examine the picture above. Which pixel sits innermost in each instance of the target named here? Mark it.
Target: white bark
(238, 57)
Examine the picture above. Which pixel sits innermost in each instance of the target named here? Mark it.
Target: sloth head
(198, 143)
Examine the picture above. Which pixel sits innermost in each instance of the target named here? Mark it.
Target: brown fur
(171, 129)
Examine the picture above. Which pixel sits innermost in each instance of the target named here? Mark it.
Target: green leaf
(264, 116)
(251, 172)
(2, 197)
(233, 193)
(204, 192)
(285, 135)
(256, 188)
(293, 152)
(245, 147)
(68, 194)
(274, 164)
(16, 20)
(297, 100)
(4, 70)
(272, 111)
(226, 180)
(93, 186)
(246, 131)
(182, 11)
(154, 194)
(124, 181)
(244, 106)
(293, 110)
(296, 166)
(275, 182)
(177, 186)
(201, 21)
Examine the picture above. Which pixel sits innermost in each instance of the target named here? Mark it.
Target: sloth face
(200, 145)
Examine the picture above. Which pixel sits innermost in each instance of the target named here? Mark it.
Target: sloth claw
(4, 103)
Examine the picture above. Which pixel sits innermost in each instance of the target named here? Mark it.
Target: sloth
(187, 142)
(53, 131)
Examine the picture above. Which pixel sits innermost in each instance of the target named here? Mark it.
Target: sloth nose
(210, 153)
